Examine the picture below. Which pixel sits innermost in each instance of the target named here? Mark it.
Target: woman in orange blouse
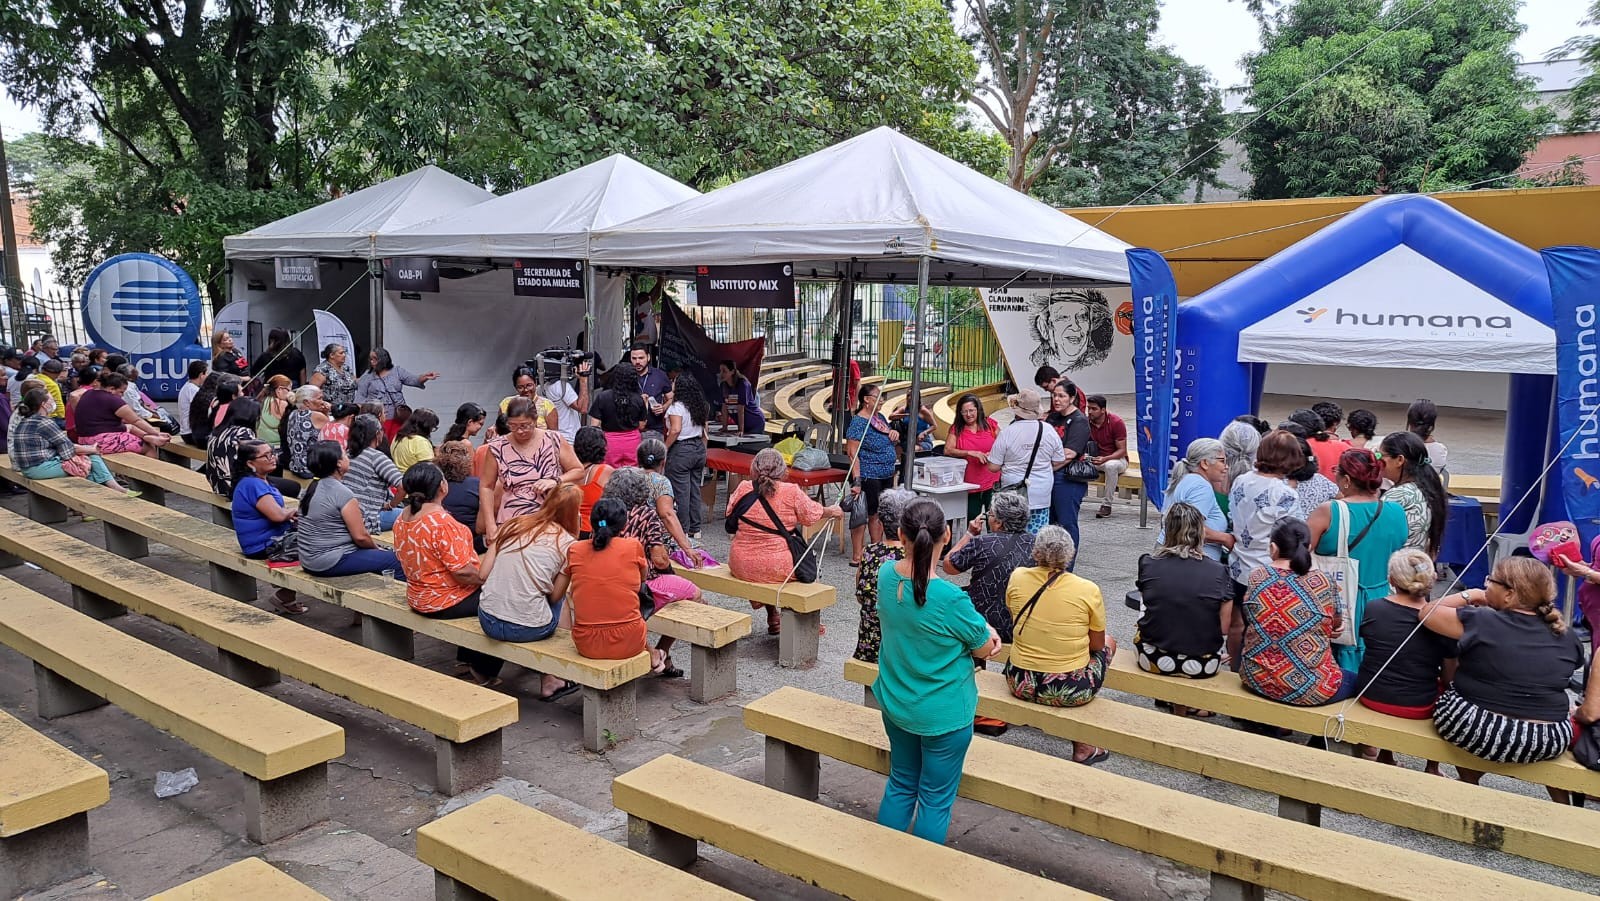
(607, 571)
(441, 565)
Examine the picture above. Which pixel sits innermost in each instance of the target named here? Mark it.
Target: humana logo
(1341, 317)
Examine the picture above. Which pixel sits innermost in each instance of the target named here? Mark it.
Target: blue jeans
(500, 630)
(51, 469)
(364, 560)
(1066, 496)
(924, 773)
(386, 519)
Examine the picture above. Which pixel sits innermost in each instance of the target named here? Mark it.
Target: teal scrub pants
(924, 773)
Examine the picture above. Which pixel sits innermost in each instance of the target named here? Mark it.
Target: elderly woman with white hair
(302, 427)
(991, 548)
(760, 512)
(891, 504)
(1240, 440)
(1198, 480)
(1059, 649)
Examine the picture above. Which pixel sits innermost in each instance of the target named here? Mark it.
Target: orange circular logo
(1125, 317)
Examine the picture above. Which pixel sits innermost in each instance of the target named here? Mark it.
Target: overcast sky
(1212, 33)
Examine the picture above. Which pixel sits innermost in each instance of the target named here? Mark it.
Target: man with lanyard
(654, 385)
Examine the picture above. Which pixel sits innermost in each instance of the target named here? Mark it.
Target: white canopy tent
(879, 207)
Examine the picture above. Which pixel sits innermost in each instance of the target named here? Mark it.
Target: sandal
(1099, 756)
(292, 608)
(658, 668)
(668, 671)
(567, 687)
(1105, 510)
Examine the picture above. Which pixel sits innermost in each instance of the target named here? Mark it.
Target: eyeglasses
(268, 454)
(1493, 581)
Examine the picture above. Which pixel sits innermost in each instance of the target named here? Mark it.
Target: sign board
(1072, 329)
(297, 272)
(147, 309)
(547, 278)
(332, 330)
(769, 286)
(411, 274)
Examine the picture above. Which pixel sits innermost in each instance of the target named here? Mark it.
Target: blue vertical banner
(1155, 351)
(1574, 274)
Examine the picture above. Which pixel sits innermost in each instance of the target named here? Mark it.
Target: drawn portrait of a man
(1072, 329)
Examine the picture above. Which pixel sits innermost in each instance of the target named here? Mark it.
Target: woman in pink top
(757, 555)
(971, 437)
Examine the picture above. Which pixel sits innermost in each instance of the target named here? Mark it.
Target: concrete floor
(382, 792)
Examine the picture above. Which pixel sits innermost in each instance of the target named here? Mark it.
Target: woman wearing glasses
(260, 517)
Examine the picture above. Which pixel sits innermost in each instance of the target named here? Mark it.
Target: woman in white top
(1014, 448)
(1421, 418)
(1259, 499)
(686, 449)
(526, 579)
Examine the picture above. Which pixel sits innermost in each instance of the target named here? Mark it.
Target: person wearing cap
(1027, 453)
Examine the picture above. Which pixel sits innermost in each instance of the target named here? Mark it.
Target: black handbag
(1022, 486)
(1079, 469)
(801, 553)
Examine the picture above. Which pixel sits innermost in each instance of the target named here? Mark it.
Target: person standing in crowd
(1325, 445)
(686, 450)
(260, 515)
(1240, 441)
(1421, 419)
(1188, 602)
(337, 382)
(870, 443)
(971, 438)
(303, 427)
(525, 382)
(869, 634)
(525, 580)
(758, 551)
(1376, 529)
(738, 392)
(194, 375)
(991, 548)
(590, 448)
(1291, 614)
(443, 578)
(1417, 490)
(570, 398)
(925, 686)
(1515, 654)
(606, 573)
(1363, 426)
(373, 478)
(1110, 436)
(1404, 667)
(414, 442)
(1059, 650)
(654, 385)
(386, 383)
(1068, 492)
(334, 540)
(1197, 480)
(226, 357)
(1026, 454)
(520, 469)
(1258, 500)
(619, 410)
(280, 358)
(106, 421)
(41, 450)
(1332, 416)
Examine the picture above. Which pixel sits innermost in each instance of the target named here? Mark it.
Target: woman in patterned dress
(1417, 490)
(520, 468)
(338, 384)
(1291, 613)
(869, 637)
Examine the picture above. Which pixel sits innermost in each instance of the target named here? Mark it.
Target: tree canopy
(1584, 100)
(1369, 97)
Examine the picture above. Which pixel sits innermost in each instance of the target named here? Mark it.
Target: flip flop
(668, 671)
(1099, 756)
(567, 688)
(294, 608)
(1105, 510)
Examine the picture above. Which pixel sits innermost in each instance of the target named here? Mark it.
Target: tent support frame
(914, 401)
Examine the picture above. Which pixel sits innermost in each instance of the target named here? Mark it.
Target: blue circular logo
(139, 303)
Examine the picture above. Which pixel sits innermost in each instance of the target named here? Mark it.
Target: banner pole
(914, 401)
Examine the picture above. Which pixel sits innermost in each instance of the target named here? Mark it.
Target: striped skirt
(1493, 736)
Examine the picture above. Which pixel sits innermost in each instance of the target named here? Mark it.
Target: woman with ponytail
(1508, 702)
(606, 572)
(1376, 529)
(441, 565)
(469, 422)
(1417, 490)
(1291, 613)
(926, 688)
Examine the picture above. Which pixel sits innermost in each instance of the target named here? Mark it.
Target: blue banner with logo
(1574, 274)
(1155, 349)
(147, 309)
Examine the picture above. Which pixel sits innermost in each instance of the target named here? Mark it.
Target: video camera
(557, 363)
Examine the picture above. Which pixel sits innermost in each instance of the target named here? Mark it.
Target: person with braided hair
(1508, 701)
(760, 553)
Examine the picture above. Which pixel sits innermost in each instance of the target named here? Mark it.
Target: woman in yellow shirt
(414, 442)
(1059, 648)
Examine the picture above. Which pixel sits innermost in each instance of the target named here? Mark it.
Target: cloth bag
(1345, 573)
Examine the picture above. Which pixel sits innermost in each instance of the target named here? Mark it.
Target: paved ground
(381, 787)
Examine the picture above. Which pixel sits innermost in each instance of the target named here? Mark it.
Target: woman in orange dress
(607, 571)
(758, 555)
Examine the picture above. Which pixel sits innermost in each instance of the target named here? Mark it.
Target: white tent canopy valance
(549, 219)
(348, 226)
(873, 206)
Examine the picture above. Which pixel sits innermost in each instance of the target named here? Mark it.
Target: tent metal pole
(588, 306)
(914, 401)
(844, 307)
(374, 297)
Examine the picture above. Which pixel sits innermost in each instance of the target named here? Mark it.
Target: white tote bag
(1345, 574)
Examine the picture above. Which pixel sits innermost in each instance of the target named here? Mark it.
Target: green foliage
(1420, 98)
(1583, 102)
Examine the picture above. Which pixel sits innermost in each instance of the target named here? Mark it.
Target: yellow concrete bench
(1304, 779)
(713, 634)
(46, 793)
(156, 478)
(800, 606)
(771, 377)
(784, 400)
(1240, 848)
(1224, 694)
(251, 879)
(497, 848)
(388, 623)
(254, 648)
(673, 804)
(80, 663)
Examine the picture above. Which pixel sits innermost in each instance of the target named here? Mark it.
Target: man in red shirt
(1110, 435)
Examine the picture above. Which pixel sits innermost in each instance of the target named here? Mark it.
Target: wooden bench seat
(1304, 779)
(800, 606)
(254, 648)
(46, 793)
(388, 623)
(1224, 694)
(155, 478)
(785, 399)
(713, 634)
(673, 804)
(1240, 848)
(181, 452)
(251, 879)
(80, 663)
(771, 377)
(497, 848)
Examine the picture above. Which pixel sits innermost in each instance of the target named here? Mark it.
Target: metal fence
(958, 346)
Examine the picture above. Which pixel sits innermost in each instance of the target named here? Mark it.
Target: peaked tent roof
(552, 218)
(881, 200)
(1402, 282)
(346, 226)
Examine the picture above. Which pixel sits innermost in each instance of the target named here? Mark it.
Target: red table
(737, 465)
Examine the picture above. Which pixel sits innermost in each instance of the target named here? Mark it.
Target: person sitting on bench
(41, 450)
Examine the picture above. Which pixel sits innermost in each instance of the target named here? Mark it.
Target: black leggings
(871, 488)
(484, 665)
